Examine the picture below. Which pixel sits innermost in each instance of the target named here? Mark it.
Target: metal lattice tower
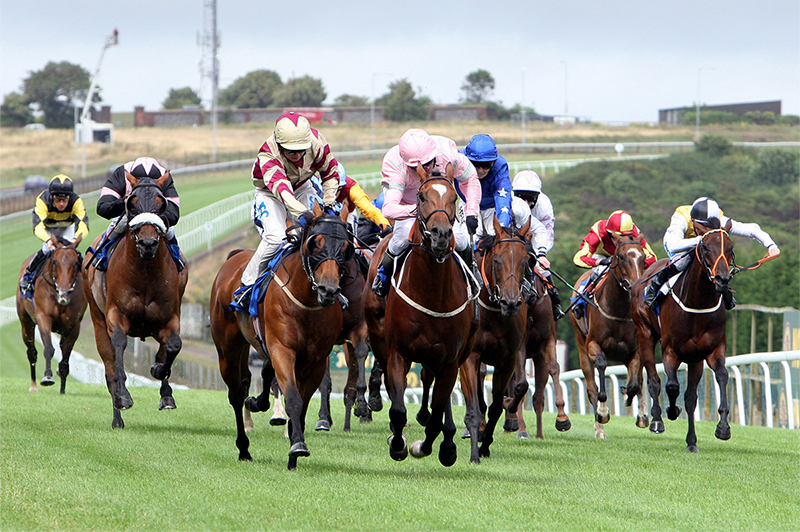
(209, 63)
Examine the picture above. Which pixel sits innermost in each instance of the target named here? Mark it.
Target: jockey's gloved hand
(305, 219)
(605, 261)
(472, 224)
(385, 231)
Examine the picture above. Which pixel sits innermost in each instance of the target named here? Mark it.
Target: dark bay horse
(540, 347)
(300, 319)
(611, 334)
(427, 318)
(58, 306)
(503, 264)
(138, 296)
(691, 328)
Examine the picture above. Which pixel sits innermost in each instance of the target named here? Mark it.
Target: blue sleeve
(502, 193)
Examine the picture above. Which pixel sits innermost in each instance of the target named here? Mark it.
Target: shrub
(778, 167)
(713, 145)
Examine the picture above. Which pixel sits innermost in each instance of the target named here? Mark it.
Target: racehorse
(58, 306)
(692, 329)
(540, 346)
(353, 339)
(503, 264)
(427, 317)
(611, 333)
(297, 325)
(139, 295)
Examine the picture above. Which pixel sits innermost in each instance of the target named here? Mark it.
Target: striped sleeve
(39, 214)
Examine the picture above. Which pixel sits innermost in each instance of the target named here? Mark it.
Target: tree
(350, 100)
(401, 104)
(254, 90)
(713, 145)
(15, 111)
(54, 80)
(477, 87)
(179, 98)
(300, 92)
(777, 167)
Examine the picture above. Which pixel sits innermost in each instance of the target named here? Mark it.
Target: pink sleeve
(467, 177)
(393, 209)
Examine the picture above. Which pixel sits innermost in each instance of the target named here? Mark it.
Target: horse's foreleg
(395, 386)
(325, 421)
(541, 377)
(587, 366)
(360, 353)
(375, 401)
(45, 328)
(693, 375)
(717, 363)
(119, 391)
(502, 377)
(646, 348)
(67, 342)
(161, 370)
(563, 423)
(28, 338)
(603, 413)
(672, 387)
(469, 387)
(440, 403)
(424, 415)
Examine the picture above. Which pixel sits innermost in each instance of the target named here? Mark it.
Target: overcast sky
(619, 60)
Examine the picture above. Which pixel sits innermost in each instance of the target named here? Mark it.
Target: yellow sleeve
(39, 214)
(79, 211)
(360, 198)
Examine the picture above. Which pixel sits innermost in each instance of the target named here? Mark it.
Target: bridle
(336, 236)
(711, 270)
(423, 222)
(52, 281)
(625, 284)
(494, 291)
(148, 217)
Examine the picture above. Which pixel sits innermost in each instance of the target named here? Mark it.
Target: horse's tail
(234, 252)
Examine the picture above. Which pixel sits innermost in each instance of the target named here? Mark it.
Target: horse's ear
(132, 180)
(316, 209)
(421, 173)
(525, 228)
(728, 225)
(162, 180)
(700, 229)
(639, 237)
(449, 172)
(498, 229)
(345, 212)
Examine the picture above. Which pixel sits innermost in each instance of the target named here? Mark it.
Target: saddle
(259, 288)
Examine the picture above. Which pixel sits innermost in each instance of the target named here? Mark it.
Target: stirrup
(380, 288)
(241, 298)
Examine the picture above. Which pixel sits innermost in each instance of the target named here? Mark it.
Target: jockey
(282, 174)
(597, 249)
(116, 191)
(58, 215)
(528, 196)
(492, 170)
(401, 184)
(681, 238)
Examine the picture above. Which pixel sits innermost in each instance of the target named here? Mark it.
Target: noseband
(336, 235)
(711, 270)
(623, 283)
(494, 291)
(149, 216)
(53, 282)
(423, 222)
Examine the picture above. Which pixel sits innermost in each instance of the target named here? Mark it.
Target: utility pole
(209, 64)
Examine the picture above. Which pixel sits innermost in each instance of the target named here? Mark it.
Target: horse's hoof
(366, 419)
(299, 449)
(375, 403)
(465, 434)
(416, 450)
(33, 389)
(361, 409)
(602, 418)
(673, 412)
(563, 425)
(723, 433)
(657, 427)
(251, 403)
(523, 435)
(123, 402)
(117, 424)
(323, 424)
(47, 381)
(511, 425)
(167, 403)
(600, 435)
(400, 455)
(642, 421)
(159, 372)
(484, 452)
(245, 457)
(692, 449)
(448, 454)
(423, 416)
(277, 421)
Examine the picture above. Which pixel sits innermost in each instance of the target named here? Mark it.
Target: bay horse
(58, 306)
(427, 317)
(353, 339)
(691, 328)
(503, 264)
(139, 295)
(540, 347)
(297, 326)
(611, 333)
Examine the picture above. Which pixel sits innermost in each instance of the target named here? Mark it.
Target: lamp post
(372, 110)
(523, 105)
(566, 112)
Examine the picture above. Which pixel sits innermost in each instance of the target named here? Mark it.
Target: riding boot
(658, 280)
(384, 274)
(579, 309)
(175, 251)
(556, 302)
(29, 277)
(241, 297)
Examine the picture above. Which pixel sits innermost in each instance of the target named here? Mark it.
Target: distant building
(673, 116)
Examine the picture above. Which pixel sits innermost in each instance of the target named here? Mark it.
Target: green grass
(64, 468)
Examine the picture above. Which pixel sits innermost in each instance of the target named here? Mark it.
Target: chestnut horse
(691, 328)
(427, 317)
(297, 326)
(139, 295)
(611, 333)
(58, 306)
(540, 346)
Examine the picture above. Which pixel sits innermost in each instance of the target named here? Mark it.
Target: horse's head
(64, 272)
(436, 211)
(715, 253)
(145, 207)
(326, 248)
(628, 262)
(507, 264)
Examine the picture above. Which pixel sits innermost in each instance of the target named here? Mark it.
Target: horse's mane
(234, 252)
